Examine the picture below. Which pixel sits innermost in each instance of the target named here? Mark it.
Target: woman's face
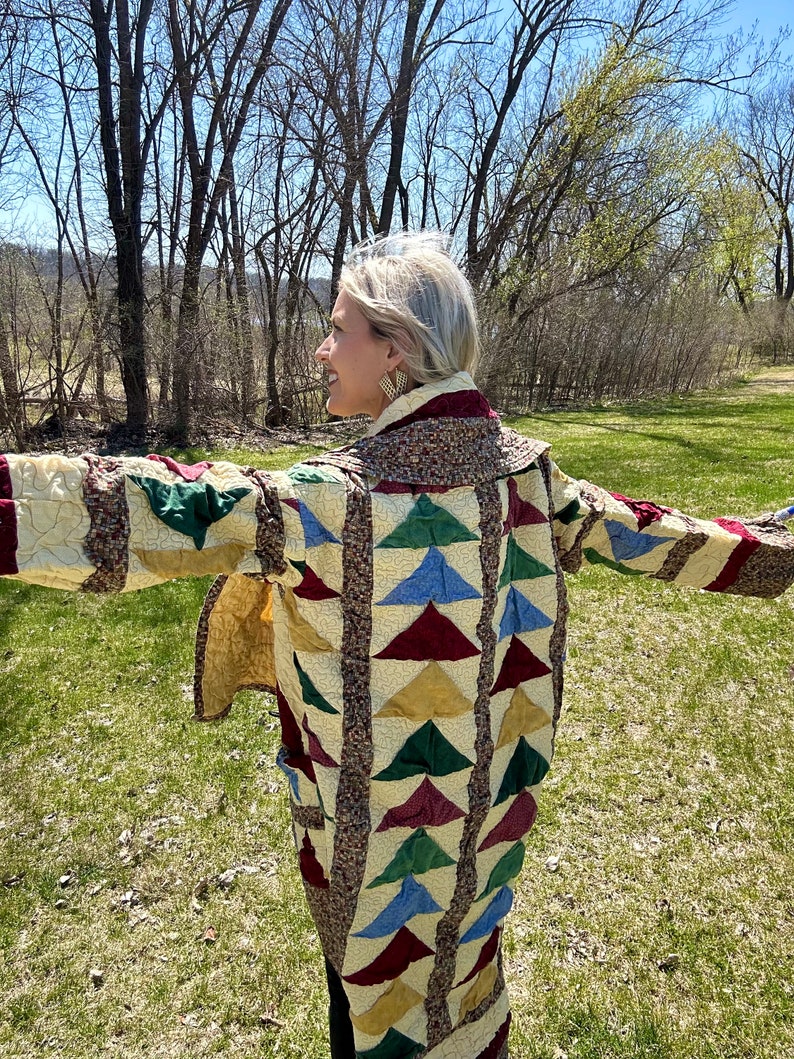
(355, 359)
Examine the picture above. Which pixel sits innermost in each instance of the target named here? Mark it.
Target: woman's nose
(322, 350)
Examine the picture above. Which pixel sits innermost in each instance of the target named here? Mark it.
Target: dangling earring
(391, 390)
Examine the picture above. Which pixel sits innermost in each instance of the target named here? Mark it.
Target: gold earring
(391, 389)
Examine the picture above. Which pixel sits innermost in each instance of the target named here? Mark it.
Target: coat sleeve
(748, 557)
(103, 524)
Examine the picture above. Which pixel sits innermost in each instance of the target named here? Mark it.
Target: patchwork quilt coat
(404, 598)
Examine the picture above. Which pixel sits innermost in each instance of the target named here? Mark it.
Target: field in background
(150, 903)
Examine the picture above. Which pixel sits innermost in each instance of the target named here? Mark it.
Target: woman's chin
(337, 408)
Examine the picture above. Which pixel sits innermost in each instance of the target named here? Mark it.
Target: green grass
(273, 460)
(670, 804)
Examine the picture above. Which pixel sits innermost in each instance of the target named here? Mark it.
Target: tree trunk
(399, 118)
(132, 307)
(14, 409)
(186, 350)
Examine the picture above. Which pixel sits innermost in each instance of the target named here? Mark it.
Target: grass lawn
(150, 904)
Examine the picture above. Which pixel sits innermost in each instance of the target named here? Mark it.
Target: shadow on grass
(726, 406)
(772, 415)
(697, 449)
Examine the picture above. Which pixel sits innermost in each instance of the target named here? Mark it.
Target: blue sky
(770, 15)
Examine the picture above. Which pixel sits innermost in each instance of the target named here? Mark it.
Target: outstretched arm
(102, 524)
(749, 557)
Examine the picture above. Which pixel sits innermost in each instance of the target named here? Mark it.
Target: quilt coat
(404, 598)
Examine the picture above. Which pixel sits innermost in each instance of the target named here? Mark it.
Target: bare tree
(57, 148)
(120, 54)
(295, 207)
(768, 152)
(242, 41)
(11, 408)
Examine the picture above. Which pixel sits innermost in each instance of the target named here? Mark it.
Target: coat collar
(444, 433)
(449, 396)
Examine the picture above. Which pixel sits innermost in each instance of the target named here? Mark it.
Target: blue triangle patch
(496, 910)
(412, 900)
(628, 544)
(433, 580)
(521, 616)
(313, 530)
(289, 772)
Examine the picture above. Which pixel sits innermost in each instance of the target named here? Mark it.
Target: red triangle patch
(310, 867)
(427, 807)
(519, 664)
(316, 752)
(290, 732)
(313, 587)
(302, 762)
(486, 956)
(520, 512)
(495, 1048)
(518, 819)
(432, 637)
(403, 950)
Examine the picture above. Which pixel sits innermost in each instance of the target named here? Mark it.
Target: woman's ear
(395, 359)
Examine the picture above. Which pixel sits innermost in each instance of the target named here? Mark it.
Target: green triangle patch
(305, 475)
(311, 696)
(418, 854)
(594, 557)
(395, 1045)
(520, 565)
(189, 507)
(428, 751)
(427, 525)
(506, 868)
(527, 767)
(570, 513)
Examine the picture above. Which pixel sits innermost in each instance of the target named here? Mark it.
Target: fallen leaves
(581, 945)
(269, 1020)
(222, 881)
(129, 899)
(669, 962)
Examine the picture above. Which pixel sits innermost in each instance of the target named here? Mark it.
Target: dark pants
(341, 1027)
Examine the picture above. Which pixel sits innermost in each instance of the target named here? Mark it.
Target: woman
(414, 637)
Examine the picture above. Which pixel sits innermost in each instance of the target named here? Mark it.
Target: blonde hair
(414, 295)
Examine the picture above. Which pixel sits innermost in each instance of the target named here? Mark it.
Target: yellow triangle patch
(387, 1010)
(184, 562)
(483, 987)
(521, 718)
(429, 695)
(303, 636)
